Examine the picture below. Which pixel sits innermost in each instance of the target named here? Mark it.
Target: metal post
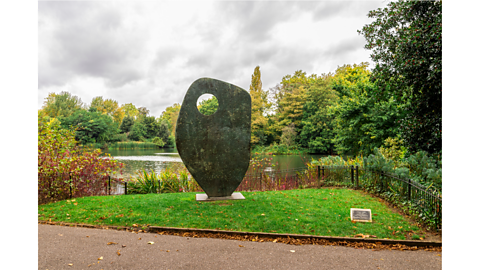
(125, 187)
(109, 185)
(409, 192)
(351, 172)
(70, 184)
(356, 168)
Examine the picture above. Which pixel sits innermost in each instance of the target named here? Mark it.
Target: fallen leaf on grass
(150, 242)
(111, 243)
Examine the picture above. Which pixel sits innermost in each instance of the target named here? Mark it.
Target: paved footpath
(60, 246)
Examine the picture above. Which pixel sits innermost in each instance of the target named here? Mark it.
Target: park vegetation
(389, 113)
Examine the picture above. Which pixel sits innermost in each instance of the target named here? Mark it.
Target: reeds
(131, 145)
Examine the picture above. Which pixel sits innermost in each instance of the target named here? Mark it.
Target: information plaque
(361, 215)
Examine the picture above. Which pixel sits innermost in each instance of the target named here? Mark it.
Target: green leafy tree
(138, 131)
(163, 132)
(159, 142)
(127, 124)
(290, 98)
(288, 135)
(63, 104)
(143, 112)
(260, 106)
(361, 122)
(90, 126)
(109, 107)
(317, 133)
(169, 116)
(152, 127)
(406, 44)
(208, 106)
(130, 110)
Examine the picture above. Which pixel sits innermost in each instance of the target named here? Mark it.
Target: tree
(288, 135)
(130, 110)
(109, 107)
(406, 44)
(289, 100)
(317, 132)
(127, 124)
(208, 106)
(163, 132)
(260, 106)
(158, 142)
(138, 132)
(90, 126)
(362, 122)
(169, 116)
(63, 104)
(143, 112)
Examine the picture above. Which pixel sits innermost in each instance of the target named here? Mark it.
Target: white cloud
(148, 53)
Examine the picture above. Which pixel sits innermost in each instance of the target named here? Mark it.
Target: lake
(158, 159)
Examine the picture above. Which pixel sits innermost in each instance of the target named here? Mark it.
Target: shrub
(158, 142)
(65, 169)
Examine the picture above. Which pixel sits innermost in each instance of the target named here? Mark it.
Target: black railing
(425, 201)
(62, 186)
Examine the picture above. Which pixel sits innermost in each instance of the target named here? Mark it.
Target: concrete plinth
(234, 196)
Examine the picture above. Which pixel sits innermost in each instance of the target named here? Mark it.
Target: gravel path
(60, 246)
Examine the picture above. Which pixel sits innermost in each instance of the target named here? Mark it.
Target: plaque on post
(360, 215)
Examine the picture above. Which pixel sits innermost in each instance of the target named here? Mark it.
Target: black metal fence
(427, 202)
(61, 186)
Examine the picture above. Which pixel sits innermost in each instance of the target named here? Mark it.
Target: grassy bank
(323, 212)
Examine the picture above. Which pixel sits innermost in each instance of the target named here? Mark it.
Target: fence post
(318, 173)
(108, 184)
(70, 184)
(323, 172)
(356, 168)
(351, 172)
(125, 187)
(409, 188)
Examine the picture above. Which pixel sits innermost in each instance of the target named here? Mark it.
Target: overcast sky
(148, 53)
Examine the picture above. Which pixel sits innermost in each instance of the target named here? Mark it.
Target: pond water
(158, 159)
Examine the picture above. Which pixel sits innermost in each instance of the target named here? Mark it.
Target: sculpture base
(234, 196)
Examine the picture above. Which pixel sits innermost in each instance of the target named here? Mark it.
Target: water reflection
(158, 159)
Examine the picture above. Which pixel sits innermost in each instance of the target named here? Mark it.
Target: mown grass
(323, 212)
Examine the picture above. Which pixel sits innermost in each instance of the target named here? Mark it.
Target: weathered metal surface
(215, 148)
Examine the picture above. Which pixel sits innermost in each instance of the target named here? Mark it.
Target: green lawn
(324, 212)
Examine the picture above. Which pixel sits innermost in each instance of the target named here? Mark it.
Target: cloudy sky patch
(148, 53)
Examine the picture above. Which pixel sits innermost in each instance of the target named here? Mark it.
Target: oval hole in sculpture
(207, 104)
